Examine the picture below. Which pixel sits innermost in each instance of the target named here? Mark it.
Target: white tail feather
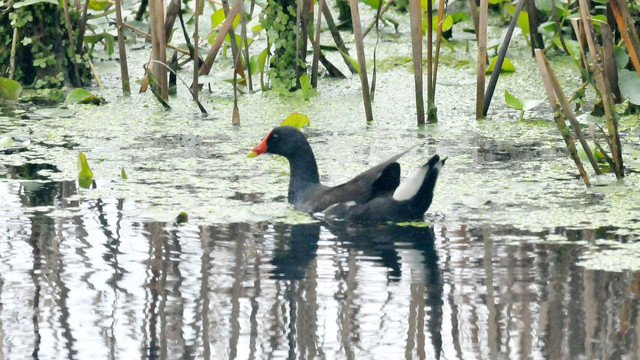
(410, 186)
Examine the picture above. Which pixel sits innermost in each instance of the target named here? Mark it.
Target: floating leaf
(507, 65)
(9, 89)
(513, 101)
(297, 120)
(82, 96)
(123, 174)
(629, 83)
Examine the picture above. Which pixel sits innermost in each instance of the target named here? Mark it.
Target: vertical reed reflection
(90, 281)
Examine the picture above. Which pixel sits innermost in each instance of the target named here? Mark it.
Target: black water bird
(375, 195)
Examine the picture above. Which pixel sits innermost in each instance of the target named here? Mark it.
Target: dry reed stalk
(603, 87)
(158, 44)
(196, 58)
(337, 38)
(217, 42)
(483, 18)
(67, 18)
(627, 31)
(122, 51)
(316, 46)
(415, 12)
(559, 119)
(568, 113)
(364, 82)
(502, 53)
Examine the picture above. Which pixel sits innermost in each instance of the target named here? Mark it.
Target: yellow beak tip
(252, 154)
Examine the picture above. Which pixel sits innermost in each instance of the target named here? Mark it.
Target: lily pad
(82, 96)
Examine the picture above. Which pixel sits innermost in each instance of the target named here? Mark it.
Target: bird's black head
(282, 140)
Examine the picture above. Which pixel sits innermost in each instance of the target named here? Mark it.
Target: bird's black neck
(304, 172)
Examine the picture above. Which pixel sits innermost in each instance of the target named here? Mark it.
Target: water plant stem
(603, 87)
(566, 109)
(148, 36)
(432, 111)
(158, 43)
(373, 22)
(12, 58)
(316, 46)
(415, 12)
(627, 31)
(196, 56)
(245, 41)
(222, 32)
(72, 44)
(557, 115)
(122, 50)
(364, 82)
(337, 38)
(483, 17)
(83, 24)
(610, 62)
(502, 53)
(232, 39)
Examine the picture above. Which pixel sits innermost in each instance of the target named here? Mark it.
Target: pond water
(516, 259)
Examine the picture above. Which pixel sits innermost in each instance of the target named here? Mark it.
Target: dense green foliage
(43, 52)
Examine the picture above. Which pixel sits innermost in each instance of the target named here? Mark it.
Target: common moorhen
(374, 195)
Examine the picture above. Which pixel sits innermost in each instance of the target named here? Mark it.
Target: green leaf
(297, 120)
(622, 58)
(460, 16)
(217, 18)
(81, 96)
(629, 83)
(513, 101)
(9, 89)
(123, 174)
(372, 3)
(447, 23)
(20, 4)
(98, 5)
(507, 66)
(523, 18)
(85, 175)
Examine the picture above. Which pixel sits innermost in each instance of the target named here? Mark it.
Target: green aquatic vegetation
(82, 96)
(85, 175)
(9, 89)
